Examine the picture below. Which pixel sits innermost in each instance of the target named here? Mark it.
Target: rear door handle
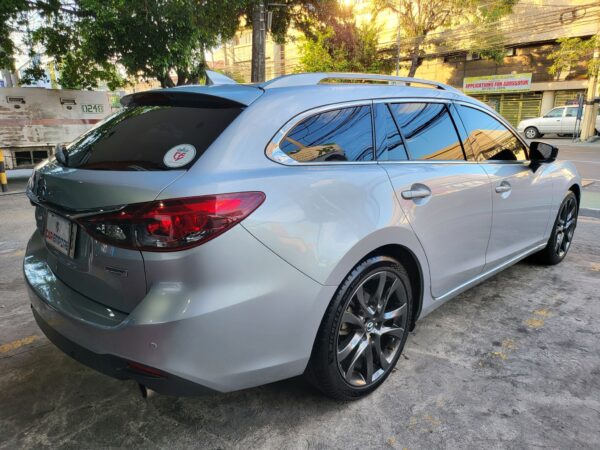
(503, 187)
(416, 193)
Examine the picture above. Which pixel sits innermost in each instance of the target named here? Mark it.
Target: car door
(551, 122)
(521, 197)
(567, 125)
(446, 199)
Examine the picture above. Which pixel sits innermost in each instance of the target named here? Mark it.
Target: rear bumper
(229, 323)
(119, 368)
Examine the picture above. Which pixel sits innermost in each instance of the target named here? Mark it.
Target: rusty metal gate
(514, 107)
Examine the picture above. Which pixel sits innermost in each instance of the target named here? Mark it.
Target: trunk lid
(128, 158)
(112, 276)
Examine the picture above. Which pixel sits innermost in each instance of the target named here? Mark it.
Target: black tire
(342, 336)
(532, 133)
(562, 232)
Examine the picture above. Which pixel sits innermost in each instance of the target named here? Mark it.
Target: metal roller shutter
(562, 97)
(514, 107)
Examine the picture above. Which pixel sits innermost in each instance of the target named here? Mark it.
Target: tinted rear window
(337, 135)
(150, 137)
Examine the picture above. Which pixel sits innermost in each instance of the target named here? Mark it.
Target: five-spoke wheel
(562, 233)
(363, 331)
(565, 226)
(372, 328)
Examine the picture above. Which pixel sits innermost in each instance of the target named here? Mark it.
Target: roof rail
(308, 79)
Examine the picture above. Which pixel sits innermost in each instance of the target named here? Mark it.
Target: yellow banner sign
(516, 82)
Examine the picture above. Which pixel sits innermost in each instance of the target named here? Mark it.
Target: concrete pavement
(512, 363)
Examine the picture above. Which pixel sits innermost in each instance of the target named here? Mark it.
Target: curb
(589, 212)
(18, 174)
(2, 194)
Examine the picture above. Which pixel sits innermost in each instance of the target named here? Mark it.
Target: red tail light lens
(169, 225)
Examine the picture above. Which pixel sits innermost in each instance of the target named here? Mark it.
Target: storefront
(562, 98)
(514, 107)
(510, 95)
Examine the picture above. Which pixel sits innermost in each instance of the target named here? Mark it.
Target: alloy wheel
(565, 226)
(372, 329)
(530, 133)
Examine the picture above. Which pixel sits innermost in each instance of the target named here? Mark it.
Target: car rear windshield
(150, 137)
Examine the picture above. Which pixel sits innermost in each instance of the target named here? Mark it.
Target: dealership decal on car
(180, 155)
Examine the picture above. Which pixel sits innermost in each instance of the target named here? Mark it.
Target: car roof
(308, 90)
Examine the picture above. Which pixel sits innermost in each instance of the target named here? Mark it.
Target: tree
(419, 18)
(355, 52)
(89, 39)
(572, 52)
(12, 16)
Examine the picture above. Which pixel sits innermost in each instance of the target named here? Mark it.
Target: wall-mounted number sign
(96, 108)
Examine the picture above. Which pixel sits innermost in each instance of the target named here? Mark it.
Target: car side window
(343, 134)
(558, 112)
(571, 112)
(428, 131)
(389, 145)
(490, 139)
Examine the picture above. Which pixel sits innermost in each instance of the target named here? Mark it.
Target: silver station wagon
(222, 237)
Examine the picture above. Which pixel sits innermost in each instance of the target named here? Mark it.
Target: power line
(520, 27)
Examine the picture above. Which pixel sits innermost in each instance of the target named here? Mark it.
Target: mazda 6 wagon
(222, 237)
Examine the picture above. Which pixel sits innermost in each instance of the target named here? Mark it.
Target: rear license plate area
(60, 234)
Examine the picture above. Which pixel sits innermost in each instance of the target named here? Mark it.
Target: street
(586, 156)
(512, 363)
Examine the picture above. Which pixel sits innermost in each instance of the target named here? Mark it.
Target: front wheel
(363, 331)
(562, 233)
(532, 133)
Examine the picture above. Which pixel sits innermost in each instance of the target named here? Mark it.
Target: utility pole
(588, 123)
(398, 47)
(259, 36)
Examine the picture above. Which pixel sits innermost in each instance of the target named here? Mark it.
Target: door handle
(416, 193)
(503, 187)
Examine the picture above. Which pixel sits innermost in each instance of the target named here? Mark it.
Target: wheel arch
(576, 189)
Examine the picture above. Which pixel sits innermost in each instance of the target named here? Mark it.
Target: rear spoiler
(214, 96)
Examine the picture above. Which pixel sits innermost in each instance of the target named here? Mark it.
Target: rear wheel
(562, 233)
(364, 330)
(532, 133)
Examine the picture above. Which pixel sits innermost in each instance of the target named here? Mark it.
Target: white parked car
(559, 121)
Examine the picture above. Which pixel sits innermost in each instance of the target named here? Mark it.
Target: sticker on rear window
(180, 155)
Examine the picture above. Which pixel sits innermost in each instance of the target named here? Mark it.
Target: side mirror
(541, 152)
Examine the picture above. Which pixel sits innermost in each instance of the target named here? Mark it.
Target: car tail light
(170, 225)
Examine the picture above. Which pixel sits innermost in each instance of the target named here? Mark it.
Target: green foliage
(571, 52)
(12, 16)
(327, 53)
(89, 39)
(333, 42)
(145, 39)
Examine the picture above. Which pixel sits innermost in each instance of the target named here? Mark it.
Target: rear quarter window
(343, 134)
(140, 138)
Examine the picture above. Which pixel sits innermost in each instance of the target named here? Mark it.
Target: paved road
(513, 363)
(585, 156)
